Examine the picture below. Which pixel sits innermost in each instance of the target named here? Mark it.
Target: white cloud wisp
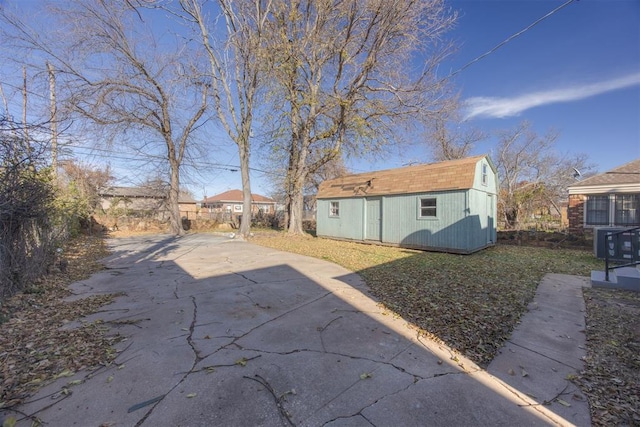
(493, 107)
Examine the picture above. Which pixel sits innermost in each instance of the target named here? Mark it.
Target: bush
(30, 223)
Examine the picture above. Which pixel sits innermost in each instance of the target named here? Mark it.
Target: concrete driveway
(221, 332)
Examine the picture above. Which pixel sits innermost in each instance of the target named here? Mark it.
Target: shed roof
(443, 176)
(628, 173)
(235, 196)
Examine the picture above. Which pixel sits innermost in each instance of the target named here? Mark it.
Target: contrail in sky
(494, 107)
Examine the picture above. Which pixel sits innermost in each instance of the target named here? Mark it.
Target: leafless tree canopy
(347, 75)
(532, 173)
(448, 136)
(236, 71)
(116, 71)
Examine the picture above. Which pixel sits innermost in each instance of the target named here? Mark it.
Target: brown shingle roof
(443, 176)
(626, 174)
(235, 196)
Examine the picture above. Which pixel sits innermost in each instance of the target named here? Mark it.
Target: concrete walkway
(225, 333)
(547, 348)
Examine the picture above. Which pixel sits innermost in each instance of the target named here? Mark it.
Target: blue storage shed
(448, 206)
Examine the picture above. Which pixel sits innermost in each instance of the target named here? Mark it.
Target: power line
(507, 40)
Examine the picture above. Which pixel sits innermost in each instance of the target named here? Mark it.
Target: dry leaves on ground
(33, 348)
(470, 302)
(473, 302)
(611, 378)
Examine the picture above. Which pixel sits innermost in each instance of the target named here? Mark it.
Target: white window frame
(434, 207)
(485, 174)
(334, 209)
(591, 199)
(630, 206)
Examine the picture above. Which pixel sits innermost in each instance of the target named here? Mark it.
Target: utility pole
(27, 143)
(54, 121)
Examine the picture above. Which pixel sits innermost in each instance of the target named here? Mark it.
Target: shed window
(598, 210)
(334, 209)
(627, 209)
(485, 174)
(428, 207)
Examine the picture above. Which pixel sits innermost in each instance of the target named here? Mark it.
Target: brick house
(230, 202)
(143, 200)
(610, 199)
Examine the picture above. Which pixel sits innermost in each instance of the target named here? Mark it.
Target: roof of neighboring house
(131, 192)
(626, 174)
(449, 175)
(142, 192)
(235, 196)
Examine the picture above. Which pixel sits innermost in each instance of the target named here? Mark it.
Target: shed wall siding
(465, 219)
(348, 225)
(401, 224)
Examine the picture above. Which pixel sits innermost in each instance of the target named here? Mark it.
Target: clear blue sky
(577, 71)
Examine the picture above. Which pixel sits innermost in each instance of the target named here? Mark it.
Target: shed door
(373, 220)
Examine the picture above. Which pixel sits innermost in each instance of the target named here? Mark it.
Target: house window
(598, 210)
(428, 207)
(627, 207)
(334, 209)
(237, 208)
(485, 174)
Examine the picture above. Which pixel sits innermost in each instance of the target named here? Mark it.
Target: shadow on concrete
(226, 333)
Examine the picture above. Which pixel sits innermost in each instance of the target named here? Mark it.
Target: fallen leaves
(470, 302)
(611, 377)
(473, 302)
(34, 348)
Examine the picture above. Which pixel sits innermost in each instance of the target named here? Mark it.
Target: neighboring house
(188, 206)
(448, 206)
(142, 199)
(131, 199)
(230, 202)
(610, 199)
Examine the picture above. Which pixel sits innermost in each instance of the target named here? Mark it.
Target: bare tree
(116, 74)
(531, 172)
(346, 75)
(449, 137)
(236, 65)
(86, 181)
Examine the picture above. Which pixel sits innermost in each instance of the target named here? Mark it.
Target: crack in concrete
(544, 355)
(197, 358)
(333, 353)
(245, 277)
(321, 329)
(234, 342)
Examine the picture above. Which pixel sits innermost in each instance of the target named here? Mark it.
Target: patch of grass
(470, 302)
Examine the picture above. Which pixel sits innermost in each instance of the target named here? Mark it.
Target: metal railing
(611, 245)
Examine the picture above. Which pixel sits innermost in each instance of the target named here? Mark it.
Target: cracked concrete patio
(221, 332)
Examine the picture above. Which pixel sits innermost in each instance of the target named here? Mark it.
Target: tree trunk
(245, 226)
(175, 222)
(296, 211)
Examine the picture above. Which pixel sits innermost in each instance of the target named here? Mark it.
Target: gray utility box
(623, 247)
